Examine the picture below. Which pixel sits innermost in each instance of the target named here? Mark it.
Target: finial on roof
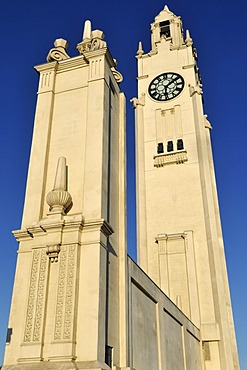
(87, 31)
(188, 40)
(167, 10)
(140, 51)
(91, 40)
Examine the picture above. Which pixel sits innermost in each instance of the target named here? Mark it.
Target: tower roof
(164, 15)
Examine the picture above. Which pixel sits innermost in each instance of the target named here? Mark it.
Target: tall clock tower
(180, 242)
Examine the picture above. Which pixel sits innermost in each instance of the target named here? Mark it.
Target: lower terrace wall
(161, 336)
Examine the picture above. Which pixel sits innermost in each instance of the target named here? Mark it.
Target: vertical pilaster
(40, 145)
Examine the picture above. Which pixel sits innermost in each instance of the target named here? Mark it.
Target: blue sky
(28, 30)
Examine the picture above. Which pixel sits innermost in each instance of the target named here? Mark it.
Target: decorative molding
(40, 298)
(96, 68)
(60, 295)
(36, 297)
(21, 235)
(46, 67)
(72, 63)
(31, 297)
(70, 296)
(45, 80)
(91, 40)
(161, 237)
(58, 200)
(70, 222)
(36, 230)
(65, 294)
(52, 252)
(101, 224)
(178, 157)
(59, 52)
(117, 75)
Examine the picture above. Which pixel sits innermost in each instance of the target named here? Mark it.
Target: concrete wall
(161, 336)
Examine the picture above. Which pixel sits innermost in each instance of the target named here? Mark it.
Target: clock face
(166, 86)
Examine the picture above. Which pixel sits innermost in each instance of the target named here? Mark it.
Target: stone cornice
(22, 235)
(99, 52)
(161, 237)
(69, 224)
(46, 67)
(101, 224)
(72, 63)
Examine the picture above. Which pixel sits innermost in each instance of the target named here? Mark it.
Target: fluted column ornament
(59, 199)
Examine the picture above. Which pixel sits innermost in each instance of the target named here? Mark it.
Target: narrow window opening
(108, 355)
(165, 29)
(180, 144)
(112, 87)
(170, 146)
(160, 148)
(9, 334)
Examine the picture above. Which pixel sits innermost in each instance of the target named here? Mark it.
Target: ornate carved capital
(52, 252)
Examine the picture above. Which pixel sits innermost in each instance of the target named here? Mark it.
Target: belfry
(79, 301)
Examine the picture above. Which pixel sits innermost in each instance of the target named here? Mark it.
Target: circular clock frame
(166, 86)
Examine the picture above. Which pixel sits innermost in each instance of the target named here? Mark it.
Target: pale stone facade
(179, 233)
(78, 301)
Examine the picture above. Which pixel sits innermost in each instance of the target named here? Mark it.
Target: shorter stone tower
(66, 300)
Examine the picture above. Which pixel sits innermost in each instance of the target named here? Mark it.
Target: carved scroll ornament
(59, 52)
